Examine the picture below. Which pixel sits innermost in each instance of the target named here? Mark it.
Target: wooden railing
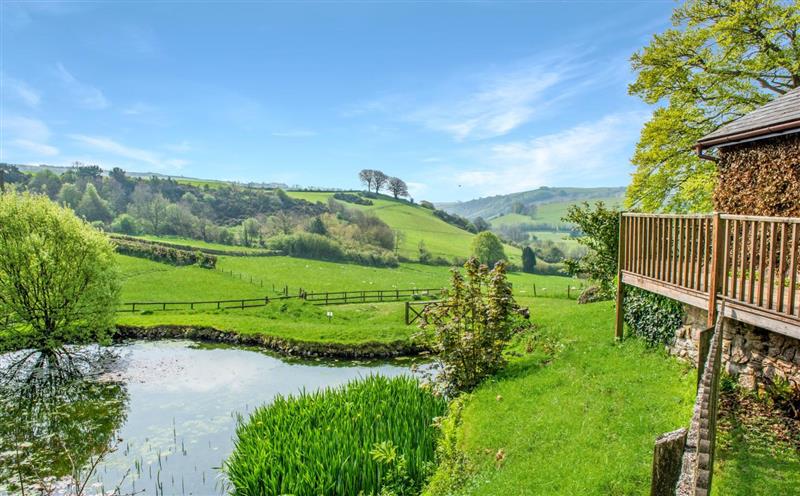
(752, 263)
(367, 296)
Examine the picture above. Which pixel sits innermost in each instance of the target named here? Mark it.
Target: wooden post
(703, 346)
(619, 325)
(718, 256)
(534, 290)
(667, 461)
(408, 304)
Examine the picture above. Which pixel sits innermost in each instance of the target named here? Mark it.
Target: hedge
(164, 254)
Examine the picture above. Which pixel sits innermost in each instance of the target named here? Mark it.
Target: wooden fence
(415, 310)
(319, 298)
(750, 263)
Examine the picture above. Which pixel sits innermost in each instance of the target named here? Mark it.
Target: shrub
(164, 254)
(652, 317)
(359, 439)
(316, 247)
(352, 198)
(58, 278)
(125, 224)
(600, 226)
(427, 204)
(528, 260)
(471, 326)
(455, 220)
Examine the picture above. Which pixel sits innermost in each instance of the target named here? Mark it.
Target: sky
(459, 99)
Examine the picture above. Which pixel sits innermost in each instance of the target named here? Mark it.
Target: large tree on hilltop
(720, 60)
(398, 187)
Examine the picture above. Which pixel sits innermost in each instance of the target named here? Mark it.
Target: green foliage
(372, 433)
(316, 226)
(164, 254)
(58, 278)
(314, 246)
(92, 207)
(488, 248)
(471, 326)
(652, 317)
(600, 228)
(125, 224)
(352, 198)
(528, 260)
(719, 61)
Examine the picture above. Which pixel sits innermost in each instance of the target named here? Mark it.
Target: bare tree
(398, 187)
(379, 180)
(367, 176)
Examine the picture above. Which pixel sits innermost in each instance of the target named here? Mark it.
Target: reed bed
(320, 443)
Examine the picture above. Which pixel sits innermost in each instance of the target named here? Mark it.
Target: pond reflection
(162, 415)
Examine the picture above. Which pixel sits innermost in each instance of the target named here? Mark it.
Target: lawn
(417, 224)
(294, 319)
(583, 423)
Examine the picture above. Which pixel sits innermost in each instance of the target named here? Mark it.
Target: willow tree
(719, 60)
(58, 281)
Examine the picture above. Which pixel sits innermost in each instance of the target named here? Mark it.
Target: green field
(417, 224)
(179, 240)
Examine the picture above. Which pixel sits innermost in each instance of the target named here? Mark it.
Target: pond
(169, 408)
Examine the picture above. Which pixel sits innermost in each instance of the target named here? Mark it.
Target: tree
(528, 260)
(316, 226)
(481, 224)
(470, 328)
(45, 182)
(367, 177)
(58, 279)
(250, 231)
(125, 224)
(92, 207)
(379, 180)
(487, 248)
(148, 206)
(282, 223)
(719, 61)
(600, 234)
(398, 187)
(69, 195)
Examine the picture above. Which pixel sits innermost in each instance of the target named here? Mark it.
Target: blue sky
(460, 99)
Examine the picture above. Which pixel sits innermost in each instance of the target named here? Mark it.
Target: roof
(781, 115)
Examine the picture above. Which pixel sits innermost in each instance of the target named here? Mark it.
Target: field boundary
(209, 251)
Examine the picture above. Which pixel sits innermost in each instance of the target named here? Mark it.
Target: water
(170, 408)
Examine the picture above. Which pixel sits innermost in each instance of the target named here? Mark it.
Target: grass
(417, 224)
(584, 422)
(351, 440)
(293, 319)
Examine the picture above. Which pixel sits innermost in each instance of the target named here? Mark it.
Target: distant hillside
(491, 207)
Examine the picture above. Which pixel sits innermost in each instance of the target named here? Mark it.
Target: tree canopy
(58, 279)
(487, 248)
(719, 61)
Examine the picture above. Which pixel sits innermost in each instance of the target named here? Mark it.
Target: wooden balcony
(751, 263)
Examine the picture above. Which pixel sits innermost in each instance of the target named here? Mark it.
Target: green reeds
(319, 443)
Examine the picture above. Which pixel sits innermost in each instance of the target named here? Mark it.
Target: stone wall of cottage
(748, 352)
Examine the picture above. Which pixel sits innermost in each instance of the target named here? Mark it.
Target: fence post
(667, 462)
(534, 289)
(703, 346)
(408, 305)
(619, 324)
(717, 267)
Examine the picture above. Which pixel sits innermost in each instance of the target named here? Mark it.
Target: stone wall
(749, 353)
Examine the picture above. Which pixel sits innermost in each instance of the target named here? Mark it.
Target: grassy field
(583, 423)
(417, 224)
(179, 240)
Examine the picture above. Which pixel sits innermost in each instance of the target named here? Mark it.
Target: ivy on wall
(652, 317)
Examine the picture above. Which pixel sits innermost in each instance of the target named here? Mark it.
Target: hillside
(415, 224)
(550, 203)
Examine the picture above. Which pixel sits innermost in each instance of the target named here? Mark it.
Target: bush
(600, 226)
(373, 434)
(652, 317)
(528, 260)
(125, 224)
(472, 325)
(352, 198)
(316, 247)
(488, 249)
(427, 204)
(164, 254)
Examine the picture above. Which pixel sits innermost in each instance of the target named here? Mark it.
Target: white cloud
(85, 94)
(416, 189)
(589, 151)
(107, 145)
(41, 149)
(22, 91)
(294, 133)
(27, 136)
(182, 147)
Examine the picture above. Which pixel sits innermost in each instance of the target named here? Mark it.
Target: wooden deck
(751, 263)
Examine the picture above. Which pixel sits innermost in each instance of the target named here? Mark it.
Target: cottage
(747, 256)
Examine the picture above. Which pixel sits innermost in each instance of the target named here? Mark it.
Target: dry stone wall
(748, 353)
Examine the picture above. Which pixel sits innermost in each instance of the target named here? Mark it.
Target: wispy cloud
(486, 104)
(21, 91)
(30, 136)
(182, 147)
(139, 108)
(589, 151)
(108, 145)
(295, 133)
(85, 94)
